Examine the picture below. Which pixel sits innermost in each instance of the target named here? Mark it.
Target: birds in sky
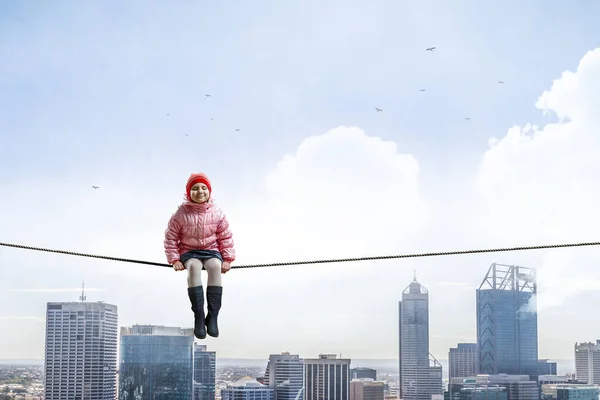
(96, 187)
(377, 109)
(431, 49)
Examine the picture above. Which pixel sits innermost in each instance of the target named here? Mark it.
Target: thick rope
(325, 261)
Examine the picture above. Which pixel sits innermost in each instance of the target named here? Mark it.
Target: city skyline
(524, 305)
(106, 109)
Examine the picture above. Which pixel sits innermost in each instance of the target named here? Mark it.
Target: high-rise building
(81, 351)
(205, 371)
(463, 360)
(507, 338)
(366, 389)
(326, 377)
(247, 389)
(587, 362)
(284, 375)
(363, 373)
(420, 373)
(156, 363)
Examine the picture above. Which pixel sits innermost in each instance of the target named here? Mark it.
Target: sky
(112, 94)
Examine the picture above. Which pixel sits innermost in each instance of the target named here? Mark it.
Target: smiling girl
(198, 238)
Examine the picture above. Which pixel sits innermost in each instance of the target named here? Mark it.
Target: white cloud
(341, 194)
(541, 185)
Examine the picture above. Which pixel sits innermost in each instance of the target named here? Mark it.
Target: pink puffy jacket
(198, 227)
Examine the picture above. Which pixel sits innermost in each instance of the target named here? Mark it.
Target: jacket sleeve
(172, 237)
(225, 240)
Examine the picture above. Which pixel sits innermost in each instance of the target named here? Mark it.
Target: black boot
(196, 295)
(213, 298)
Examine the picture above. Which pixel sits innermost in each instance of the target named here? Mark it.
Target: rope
(337, 260)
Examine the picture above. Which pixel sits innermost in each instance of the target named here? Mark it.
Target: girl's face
(199, 193)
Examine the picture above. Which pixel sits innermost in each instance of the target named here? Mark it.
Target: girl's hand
(178, 266)
(225, 267)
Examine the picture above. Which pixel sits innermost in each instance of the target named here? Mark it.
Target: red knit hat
(196, 178)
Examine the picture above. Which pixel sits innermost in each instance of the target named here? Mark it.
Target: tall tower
(415, 373)
(284, 374)
(81, 350)
(507, 338)
(587, 362)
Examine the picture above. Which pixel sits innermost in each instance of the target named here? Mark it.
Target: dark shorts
(200, 255)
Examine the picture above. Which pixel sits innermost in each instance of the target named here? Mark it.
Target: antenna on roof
(82, 297)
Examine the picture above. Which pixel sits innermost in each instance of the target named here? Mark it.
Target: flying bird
(500, 81)
(237, 130)
(207, 95)
(168, 114)
(468, 118)
(378, 109)
(96, 187)
(422, 90)
(430, 49)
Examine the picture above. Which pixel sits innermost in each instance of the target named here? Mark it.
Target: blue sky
(85, 90)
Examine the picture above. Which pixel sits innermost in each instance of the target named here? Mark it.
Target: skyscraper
(326, 377)
(205, 373)
(284, 374)
(463, 360)
(507, 337)
(156, 363)
(81, 351)
(587, 362)
(418, 380)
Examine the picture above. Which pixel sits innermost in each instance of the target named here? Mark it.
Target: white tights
(212, 266)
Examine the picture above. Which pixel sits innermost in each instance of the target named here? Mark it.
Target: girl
(197, 238)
